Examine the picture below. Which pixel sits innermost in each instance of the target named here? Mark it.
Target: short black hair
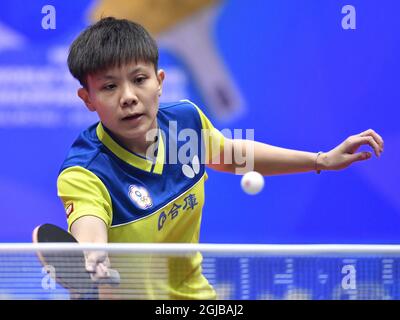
(108, 43)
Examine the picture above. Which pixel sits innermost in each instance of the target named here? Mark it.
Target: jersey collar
(131, 158)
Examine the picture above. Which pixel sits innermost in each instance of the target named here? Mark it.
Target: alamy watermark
(49, 20)
(48, 280)
(184, 145)
(349, 280)
(349, 20)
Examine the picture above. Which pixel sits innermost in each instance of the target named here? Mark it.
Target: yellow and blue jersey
(146, 201)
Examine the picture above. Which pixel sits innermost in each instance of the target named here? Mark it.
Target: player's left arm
(240, 156)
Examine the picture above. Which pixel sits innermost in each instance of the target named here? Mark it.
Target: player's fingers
(106, 262)
(90, 266)
(378, 139)
(96, 256)
(357, 141)
(113, 278)
(360, 156)
(101, 272)
(93, 259)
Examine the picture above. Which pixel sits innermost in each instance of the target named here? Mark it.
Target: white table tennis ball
(252, 182)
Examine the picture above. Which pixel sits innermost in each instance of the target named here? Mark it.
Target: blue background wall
(307, 84)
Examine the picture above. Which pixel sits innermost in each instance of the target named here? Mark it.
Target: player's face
(126, 99)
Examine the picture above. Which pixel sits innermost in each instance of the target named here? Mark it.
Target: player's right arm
(88, 207)
(91, 229)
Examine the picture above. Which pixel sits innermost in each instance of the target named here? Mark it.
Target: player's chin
(138, 131)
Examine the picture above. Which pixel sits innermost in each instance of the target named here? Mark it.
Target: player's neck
(141, 145)
(143, 148)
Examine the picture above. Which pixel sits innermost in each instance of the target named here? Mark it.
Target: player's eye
(109, 87)
(140, 79)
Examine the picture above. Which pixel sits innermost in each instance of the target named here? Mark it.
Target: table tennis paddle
(70, 271)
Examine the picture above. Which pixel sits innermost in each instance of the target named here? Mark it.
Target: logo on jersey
(161, 220)
(191, 171)
(69, 208)
(140, 196)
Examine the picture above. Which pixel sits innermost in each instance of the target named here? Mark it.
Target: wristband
(316, 160)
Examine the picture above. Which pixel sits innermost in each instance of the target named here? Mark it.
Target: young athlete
(138, 175)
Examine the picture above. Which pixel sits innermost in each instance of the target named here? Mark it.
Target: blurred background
(289, 69)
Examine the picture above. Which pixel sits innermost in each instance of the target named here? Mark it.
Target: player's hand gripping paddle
(69, 267)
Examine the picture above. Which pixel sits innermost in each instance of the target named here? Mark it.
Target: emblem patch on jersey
(140, 196)
(191, 171)
(69, 208)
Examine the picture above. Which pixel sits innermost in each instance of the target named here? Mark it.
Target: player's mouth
(133, 117)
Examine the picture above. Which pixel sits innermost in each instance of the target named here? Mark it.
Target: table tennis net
(235, 272)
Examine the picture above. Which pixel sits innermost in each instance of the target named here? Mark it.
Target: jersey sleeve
(213, 138)
(83, 194)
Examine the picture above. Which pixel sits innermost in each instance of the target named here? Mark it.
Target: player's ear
(84, 95)
(160, 78)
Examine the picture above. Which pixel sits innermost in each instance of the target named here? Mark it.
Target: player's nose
(128, 96)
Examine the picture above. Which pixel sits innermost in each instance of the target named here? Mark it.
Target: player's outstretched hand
(346, 153)
(98, 264)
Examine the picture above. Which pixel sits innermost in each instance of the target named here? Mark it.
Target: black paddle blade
(51, 233)
(69, 267)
